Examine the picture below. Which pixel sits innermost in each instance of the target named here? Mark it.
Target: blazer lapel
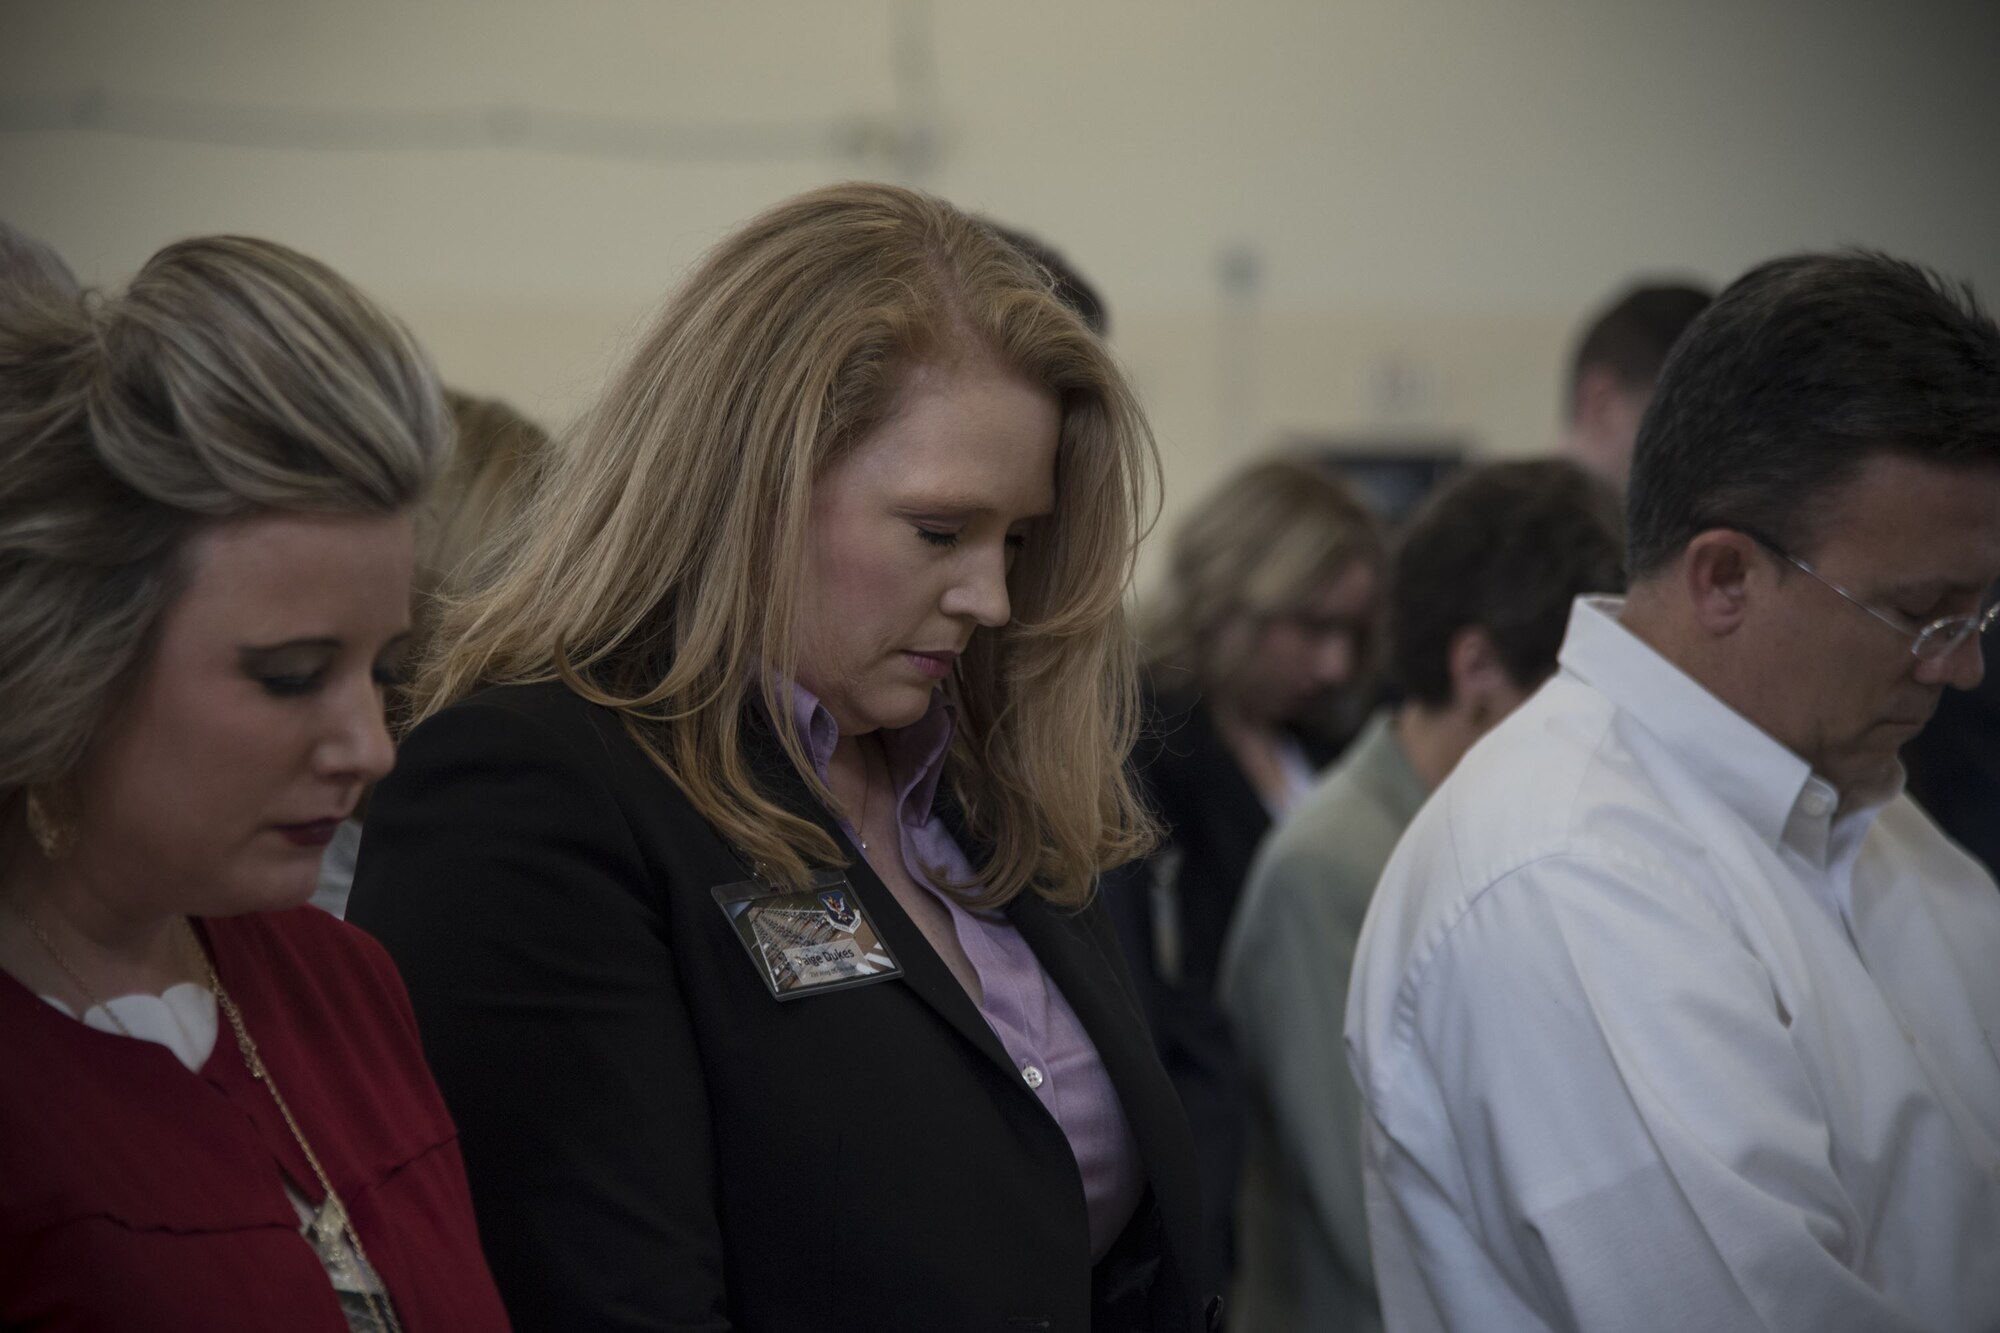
(1094, 982)
(1075, 958)
(924, 972)
(1090, 980)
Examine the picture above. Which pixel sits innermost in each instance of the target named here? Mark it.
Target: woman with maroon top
(214, 1109)
(743, 866)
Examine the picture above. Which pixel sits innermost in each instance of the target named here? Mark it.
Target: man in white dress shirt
(1671, 1011)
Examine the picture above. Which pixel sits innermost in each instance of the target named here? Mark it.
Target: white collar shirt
(1651, 1035)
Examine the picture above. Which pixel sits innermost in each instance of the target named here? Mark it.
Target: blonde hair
(231, 376)
(661, 570)
(495, 457)
(1257, 547)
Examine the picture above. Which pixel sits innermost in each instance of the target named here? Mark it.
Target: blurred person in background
(495, 455)
(1267, 615)
(214, 1110)
(1954, 767)
(31, 270)
(743, 862)
(1071, 287)
(1672, 1011)
(1479, 593)
(1614, 368)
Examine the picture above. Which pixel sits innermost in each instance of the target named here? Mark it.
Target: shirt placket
(1008, 1005)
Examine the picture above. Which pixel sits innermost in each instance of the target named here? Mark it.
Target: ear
(1716, 570)
(1480, 687)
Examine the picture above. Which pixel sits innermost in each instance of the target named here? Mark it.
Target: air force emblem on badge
(839, 910)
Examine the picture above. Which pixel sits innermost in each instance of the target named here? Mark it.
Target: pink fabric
(1025, 1009)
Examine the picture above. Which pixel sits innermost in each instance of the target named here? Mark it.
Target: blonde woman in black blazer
(742, 871)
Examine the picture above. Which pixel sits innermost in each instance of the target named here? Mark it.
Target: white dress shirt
(1652, 1037)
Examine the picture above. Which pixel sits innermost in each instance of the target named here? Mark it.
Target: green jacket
(1302, 1240)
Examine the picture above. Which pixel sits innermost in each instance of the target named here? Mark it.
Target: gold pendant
(331, 1223)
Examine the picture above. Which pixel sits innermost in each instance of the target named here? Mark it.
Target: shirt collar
(1744, 766)
(916, 753)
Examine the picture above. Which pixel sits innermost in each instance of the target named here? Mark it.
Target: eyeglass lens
(1947, 636)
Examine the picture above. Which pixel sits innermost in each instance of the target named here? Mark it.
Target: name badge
(804, 941)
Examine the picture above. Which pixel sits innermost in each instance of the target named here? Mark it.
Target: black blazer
(1954, 768)
(656, 1143)
(1214, 821)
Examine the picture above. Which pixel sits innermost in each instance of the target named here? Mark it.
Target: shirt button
(1814, 803)
(1031, 1076)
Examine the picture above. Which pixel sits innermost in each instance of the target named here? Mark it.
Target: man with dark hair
(1479, 592)
(1672, 1011)
(1071, 287)
(1612, 373)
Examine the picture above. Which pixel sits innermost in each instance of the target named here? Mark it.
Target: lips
(936, 665)
(312, 833)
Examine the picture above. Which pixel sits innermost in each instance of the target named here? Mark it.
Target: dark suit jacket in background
(1183, 897)
(1954, 767)
(655, 1143)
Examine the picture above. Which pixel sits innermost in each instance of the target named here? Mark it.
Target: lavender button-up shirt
(1025, 1009)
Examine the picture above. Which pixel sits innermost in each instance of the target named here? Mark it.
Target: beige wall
(1432, 190)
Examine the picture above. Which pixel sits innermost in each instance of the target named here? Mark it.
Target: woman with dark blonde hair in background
(31, 271)
(743, 866)
(214, 1110)
(1256, 647)
(475, 507)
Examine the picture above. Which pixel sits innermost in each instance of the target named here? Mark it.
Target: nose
(355, 746)
(979, 590)
(1962, 668)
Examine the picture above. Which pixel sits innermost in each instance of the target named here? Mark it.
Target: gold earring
(54, 831)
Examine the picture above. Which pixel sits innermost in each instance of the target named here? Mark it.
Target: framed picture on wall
(1392, 474)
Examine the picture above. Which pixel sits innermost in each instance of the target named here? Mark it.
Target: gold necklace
(62, 961)
(332, 1209)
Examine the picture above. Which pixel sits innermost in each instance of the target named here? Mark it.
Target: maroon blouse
(135, 1194)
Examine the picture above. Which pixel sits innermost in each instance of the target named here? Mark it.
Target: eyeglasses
(1932, 643)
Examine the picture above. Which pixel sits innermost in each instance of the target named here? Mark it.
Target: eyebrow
(958, 506)
(318, 644)
(262, 649)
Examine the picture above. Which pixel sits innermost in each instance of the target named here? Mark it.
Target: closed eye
(391, 667)
(287, 687)
(936, 538)
(289, 670)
